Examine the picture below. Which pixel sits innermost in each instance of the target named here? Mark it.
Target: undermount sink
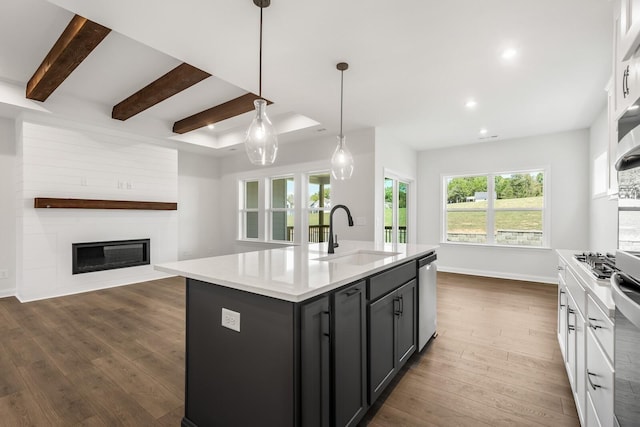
(359, 257)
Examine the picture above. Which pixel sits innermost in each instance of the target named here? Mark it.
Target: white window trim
(269, 209)
(300, 173)
(546, 209)
(242, 209)
(411, 197)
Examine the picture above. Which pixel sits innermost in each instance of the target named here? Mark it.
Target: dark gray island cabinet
(322, 361)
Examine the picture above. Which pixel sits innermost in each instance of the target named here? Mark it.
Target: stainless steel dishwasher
(427, 315)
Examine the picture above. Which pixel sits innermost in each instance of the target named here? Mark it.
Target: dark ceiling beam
(216, 114)
(75, 43)
(175, 81)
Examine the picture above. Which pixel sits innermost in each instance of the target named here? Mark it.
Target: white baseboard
(499, 275)
(7, 292)
(61, 292)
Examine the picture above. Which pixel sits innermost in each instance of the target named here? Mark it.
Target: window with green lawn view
(496, 209)
(282, 210)
(319, 206)
(395, 210)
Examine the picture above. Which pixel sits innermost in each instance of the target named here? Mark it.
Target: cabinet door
(349, 355)
(599, 381)
(580, 371)
(406, 323)
(381, 343)
(562, 319)
(571, 342)
(314, 357)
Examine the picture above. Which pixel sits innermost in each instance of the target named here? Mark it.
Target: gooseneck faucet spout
(334, 244)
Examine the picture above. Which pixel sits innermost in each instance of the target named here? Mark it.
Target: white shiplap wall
(66, 163)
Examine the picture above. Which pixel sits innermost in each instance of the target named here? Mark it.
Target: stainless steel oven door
(626, 295)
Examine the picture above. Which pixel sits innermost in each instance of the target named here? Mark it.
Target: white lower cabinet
(585, 336)
(600, 382)
(592, 418)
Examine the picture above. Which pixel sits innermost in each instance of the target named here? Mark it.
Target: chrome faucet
(333, 245)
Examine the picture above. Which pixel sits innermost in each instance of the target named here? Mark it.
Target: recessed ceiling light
(633, 107)
(211, 126)
(470, 103)
(509, 53)
(483, 131)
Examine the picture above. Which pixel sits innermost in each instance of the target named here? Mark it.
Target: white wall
(199, 206)
(7, 206)
(312, 155)
(603, 220)
(566, 155)
(395, 157)
(66, 163)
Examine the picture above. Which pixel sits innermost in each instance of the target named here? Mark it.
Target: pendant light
(342, 160)
(261, 142)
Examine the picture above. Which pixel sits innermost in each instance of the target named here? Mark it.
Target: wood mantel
(44, 202)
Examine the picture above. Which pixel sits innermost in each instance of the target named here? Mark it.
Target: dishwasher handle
(422, 262)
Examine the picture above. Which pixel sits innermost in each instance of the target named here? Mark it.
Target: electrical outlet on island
(231, 319)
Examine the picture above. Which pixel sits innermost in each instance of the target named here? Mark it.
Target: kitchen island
(295, 337)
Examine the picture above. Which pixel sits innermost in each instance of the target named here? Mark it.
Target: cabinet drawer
(391, 279)
(599, 381)
(601, 326)
(577, 291)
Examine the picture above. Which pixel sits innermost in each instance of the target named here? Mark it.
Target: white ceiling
(413, 63)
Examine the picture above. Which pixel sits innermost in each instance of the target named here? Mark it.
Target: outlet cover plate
(231, 319)
(4, 274)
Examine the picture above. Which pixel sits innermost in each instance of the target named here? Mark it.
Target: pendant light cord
(341, 98)
(260, 82)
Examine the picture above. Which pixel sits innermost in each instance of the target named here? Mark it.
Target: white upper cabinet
(626, 56)
(629, 31)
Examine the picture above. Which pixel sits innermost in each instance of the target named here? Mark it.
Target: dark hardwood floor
(116, 357)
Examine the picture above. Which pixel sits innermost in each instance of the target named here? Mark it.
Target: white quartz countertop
(599, 289)
(294, 273)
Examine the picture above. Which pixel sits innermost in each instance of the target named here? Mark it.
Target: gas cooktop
(600, 265)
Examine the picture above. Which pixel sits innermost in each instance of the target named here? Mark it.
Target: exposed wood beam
(180, 78)
(229, 109)
(75, 43)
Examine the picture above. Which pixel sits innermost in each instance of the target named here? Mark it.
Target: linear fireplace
(97, 256)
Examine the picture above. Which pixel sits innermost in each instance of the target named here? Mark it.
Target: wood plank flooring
(116, 357)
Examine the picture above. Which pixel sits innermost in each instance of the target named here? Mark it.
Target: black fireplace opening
(98, 256)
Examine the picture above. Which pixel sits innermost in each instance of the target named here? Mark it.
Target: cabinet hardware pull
(625, 82)
(563, 305)
(592, 326)
(401, 305)
(396, 311)
(571, 311)
(589, 375)
(352, 292)
(560, 268)
(328, 333)
(571, 328)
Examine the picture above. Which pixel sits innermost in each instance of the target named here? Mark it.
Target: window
(291, 208)
(282, 210)
(318, 206)
(496, 209)
(249, 210)
(395, 210)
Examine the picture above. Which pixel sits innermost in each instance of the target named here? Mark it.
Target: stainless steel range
(625, 289)
(602, 266)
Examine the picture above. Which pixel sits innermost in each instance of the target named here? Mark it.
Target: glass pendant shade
(261, 141)
(342, 161)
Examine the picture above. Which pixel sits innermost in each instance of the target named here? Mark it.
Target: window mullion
(490, 210)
